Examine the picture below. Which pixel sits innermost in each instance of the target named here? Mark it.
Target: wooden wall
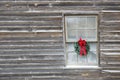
(31, 39)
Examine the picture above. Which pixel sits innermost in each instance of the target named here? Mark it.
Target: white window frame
(97, 41)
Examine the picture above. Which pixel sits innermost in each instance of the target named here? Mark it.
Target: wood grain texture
(31, 39)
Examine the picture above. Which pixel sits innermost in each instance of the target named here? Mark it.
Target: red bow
(82, 44)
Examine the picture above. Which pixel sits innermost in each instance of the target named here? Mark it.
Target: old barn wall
(31, 39)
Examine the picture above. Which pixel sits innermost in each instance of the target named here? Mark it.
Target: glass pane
(71, 55)
(70, 47)
(91, 57)
(91, 22)
(93, 46)
(75, 22)
(81, 26)
(88, 35)
(72, 35)
(71, 22)
(82, 60)
(81, 22)
(72, 58)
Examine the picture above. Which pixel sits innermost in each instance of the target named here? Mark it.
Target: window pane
(93, 46)
(71, 55)
(89, 59)
(81, 26)
(87, 34)
(92, 58)
(72, 35)
(75, 22)
(74, 58)
(70, 47)
(81, 22)
(82, 60)
(91, 22)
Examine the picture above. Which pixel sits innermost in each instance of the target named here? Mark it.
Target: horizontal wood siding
(32, 39)
(110, 44)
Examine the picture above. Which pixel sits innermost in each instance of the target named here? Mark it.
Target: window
(85, 27)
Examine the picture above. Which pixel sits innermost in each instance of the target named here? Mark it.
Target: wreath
(81, 47)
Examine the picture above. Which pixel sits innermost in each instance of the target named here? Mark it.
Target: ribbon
(82, 44)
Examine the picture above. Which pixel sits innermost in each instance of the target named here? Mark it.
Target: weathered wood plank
(30, 34)
(111, 16)
(31, 39)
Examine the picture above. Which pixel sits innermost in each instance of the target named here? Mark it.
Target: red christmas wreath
(82, 47)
